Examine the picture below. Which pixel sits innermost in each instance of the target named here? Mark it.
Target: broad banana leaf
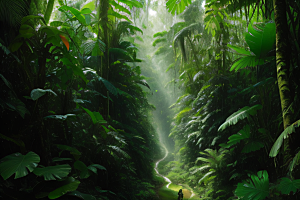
(284, 135)
(240, 115)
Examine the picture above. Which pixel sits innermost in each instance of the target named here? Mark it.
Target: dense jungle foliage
(75, 119)
(89, 89)
(235, 125)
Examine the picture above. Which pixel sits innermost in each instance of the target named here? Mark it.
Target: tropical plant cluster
(235, 126)
(75, 120)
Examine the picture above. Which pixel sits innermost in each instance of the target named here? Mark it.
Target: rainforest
(150, 99)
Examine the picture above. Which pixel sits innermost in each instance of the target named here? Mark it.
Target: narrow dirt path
(156, 165)
(170, 191)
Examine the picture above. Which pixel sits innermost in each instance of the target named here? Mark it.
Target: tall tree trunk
(282, 64)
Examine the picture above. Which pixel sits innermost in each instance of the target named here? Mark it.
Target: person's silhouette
(180, 195)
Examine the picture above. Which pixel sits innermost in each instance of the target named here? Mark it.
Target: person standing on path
(180, 195)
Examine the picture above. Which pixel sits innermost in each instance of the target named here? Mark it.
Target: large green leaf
(49, 10)
(240, 115)
(257, 188)
(17, 163)
(75, 12)
(84, 172)
(110, 87)
(66, 186)
(284, 135)
(261, 38)
(90, 5)
(96, 116)
(177, 6)
(287, 185)
(50, 172)
(37, 93)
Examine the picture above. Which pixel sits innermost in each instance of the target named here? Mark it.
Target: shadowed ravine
(169, 190)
